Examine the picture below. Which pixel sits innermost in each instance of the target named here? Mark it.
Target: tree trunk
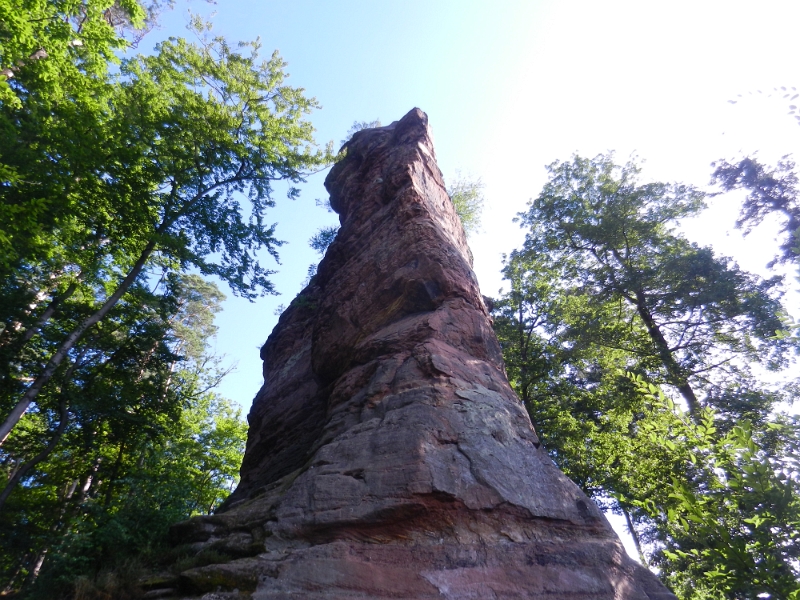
(676, 374)
(33, 391)
(45, 316)
(37, 566)
(87, 482)
(523, 363)
(635, 537)
(17, 572)
(22, 471)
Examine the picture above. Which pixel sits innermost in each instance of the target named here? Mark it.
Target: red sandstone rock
(387, 455)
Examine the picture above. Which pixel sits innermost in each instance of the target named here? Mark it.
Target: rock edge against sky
(387, 455)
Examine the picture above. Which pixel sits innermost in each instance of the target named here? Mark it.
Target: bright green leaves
(603, 287)
(731, 530)
(173, 164)
(115, 184)
(213, 125)
(58, 49)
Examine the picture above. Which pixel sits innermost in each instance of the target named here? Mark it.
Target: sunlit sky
(511, 86)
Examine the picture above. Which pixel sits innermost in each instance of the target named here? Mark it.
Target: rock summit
(387, 456)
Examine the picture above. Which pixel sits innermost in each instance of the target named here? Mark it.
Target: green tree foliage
(323, 238)
(358, 126)
(154, 172)
(54, 72)
(613, 240)
(56, 48)
(467, 196)
(732, 530)
(115, 182)
(141, 441)
(770, 191)
(605, 285)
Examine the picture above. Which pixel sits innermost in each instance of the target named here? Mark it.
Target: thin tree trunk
(22, 471)
(635, 537)
(64, 517)
(61, 353)
(37, 566)
(33, 391)
(45, 316)
(10, 585)
(87, 483)
(675, 372)
(17, 466)
(523, 350)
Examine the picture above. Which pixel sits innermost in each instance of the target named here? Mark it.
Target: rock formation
(387, 455)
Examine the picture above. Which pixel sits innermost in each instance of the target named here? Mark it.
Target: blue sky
(510, 86)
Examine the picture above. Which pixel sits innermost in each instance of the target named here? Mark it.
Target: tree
(114, 182)
(188, 130)
(323, 238)
(467, 196)
(613, 239)
(358, 126)
(54, 69)
(146, 441)
(62, 44)
(771, 191)
(731, 531)
(605, 285)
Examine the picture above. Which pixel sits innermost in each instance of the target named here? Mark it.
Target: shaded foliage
(323, 238)
(147, 443)
(770, 191)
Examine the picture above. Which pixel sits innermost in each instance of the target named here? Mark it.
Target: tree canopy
(122, 182)
(614, 325)
(171, 168)
(770, 191)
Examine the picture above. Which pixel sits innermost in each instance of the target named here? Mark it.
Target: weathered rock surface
(387, 456)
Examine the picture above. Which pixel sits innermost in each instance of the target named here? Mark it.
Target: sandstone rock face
(387, 456)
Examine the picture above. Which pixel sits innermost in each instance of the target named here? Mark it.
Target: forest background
(508, 90)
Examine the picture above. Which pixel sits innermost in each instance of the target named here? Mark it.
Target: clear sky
(510, 86)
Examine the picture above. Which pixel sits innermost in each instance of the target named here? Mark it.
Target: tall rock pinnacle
(387, 455)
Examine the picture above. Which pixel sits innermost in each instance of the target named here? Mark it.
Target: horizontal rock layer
(387, 455)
